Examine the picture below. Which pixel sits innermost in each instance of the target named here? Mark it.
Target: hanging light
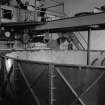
(9, 63)
(7, 34)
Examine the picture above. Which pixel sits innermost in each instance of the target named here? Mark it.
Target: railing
(33, 15)
(96, 57)
(21, 15)
(25, 15)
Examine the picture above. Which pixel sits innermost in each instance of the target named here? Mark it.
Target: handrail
(32, 50)
(72, 65)
(57, 14)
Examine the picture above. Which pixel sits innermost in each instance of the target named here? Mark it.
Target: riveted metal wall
(38, 83)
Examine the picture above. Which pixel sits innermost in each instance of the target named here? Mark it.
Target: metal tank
(39, 82)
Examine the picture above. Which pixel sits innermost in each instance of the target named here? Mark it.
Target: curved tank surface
(54, 78)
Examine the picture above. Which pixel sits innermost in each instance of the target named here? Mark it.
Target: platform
(74, 23)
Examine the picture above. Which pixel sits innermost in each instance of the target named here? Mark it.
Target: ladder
(76, 41)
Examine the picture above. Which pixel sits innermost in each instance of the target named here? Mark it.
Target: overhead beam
(25, 24)
(73, 23)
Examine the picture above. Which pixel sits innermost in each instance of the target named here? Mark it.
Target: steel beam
(88, 46)
(73, 23)
(25, 24)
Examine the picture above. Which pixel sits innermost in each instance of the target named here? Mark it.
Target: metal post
(18, 14)
(0, 14)
(2, 77)
(35, 5)
(88, 46)
(35, 14)
(51, 84)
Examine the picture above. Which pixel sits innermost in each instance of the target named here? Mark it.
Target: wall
(97, 39)
(75, 6)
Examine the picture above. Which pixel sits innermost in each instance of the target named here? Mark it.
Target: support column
(2, 78)
(88, 46)
(51, 84)
(35, 12)
(0, 14)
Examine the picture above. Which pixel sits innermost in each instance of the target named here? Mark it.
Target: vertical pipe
(2, 77)
(0, 14)
(35, 5)
(88, 46)
(15, 76)
(35, 14)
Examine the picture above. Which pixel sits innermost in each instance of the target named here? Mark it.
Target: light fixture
(7, 34)
(9, 63)
(94, 26)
